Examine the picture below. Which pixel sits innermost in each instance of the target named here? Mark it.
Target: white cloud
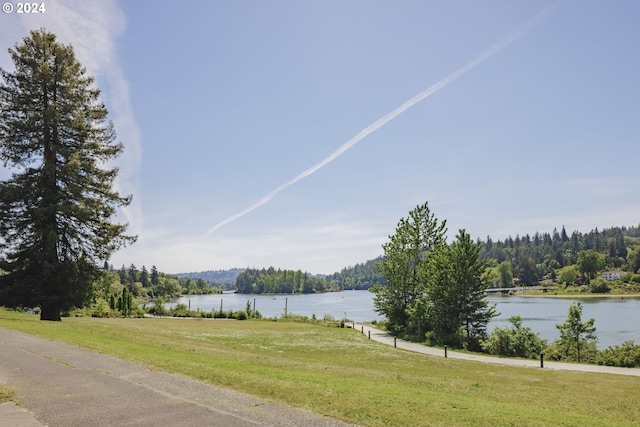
(322, 246)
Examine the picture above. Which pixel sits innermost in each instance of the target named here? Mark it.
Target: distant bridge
(517, 289)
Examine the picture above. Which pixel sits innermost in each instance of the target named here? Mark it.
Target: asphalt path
(60, 385)
(383, 337)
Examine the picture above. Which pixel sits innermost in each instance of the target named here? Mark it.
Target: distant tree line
(143, 283)
(272, 281)
(118, 292)
(359, 276)
(225, 279)
(529, 259)
(525, 261)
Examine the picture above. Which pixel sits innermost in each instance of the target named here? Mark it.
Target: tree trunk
(50, 312)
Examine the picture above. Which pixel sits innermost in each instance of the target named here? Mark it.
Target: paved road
(383, 337)
(66, 386)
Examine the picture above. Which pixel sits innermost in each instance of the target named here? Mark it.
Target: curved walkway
(383, 337)
(65, 386)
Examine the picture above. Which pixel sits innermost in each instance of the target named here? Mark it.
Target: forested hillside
(219, 277)
(556, 257)
(530, 259)
(272, 281)
(359, 276)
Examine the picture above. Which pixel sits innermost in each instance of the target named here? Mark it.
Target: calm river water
(617, 320)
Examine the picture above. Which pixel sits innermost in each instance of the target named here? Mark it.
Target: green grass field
(340, 373)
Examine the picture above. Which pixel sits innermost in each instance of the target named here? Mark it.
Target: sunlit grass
(340, 373)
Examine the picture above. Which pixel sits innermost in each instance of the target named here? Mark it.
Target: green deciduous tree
(590, 262)
(415, 238)
(56, 210)
(506, 276)
(633, 261)
(578, 339)
(568, 275)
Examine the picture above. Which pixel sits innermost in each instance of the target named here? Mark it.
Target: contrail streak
(512, 37)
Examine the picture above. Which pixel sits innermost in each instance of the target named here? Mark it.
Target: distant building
(612, 275)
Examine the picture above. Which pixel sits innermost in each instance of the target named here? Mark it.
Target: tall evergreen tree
(459, 311)
(415, 237)
(144, 277)
(154, 275)
(56, 210)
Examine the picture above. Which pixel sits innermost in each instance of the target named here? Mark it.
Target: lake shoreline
(547, 295)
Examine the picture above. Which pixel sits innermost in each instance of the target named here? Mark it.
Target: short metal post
(362, 329)
(394, 342)
(542, 360)
(369, 333)
(445, 350)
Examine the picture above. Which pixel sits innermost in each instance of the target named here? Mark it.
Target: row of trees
(145, 284)
(433, 290)
(272, 281)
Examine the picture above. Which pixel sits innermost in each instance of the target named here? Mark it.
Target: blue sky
(219, 103)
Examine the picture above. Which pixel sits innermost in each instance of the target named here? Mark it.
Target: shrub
(180, 310)
(219, 314)
(158, 308)
(240, 315)
(102, 309)
(626, 355)
(295, 318)
(599, 286)
(516, 341)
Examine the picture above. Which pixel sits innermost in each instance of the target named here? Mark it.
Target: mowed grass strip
(342, 374)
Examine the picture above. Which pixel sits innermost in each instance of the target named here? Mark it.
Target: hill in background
(223, 277)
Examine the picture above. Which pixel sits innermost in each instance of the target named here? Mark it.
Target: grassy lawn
(340, 373)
